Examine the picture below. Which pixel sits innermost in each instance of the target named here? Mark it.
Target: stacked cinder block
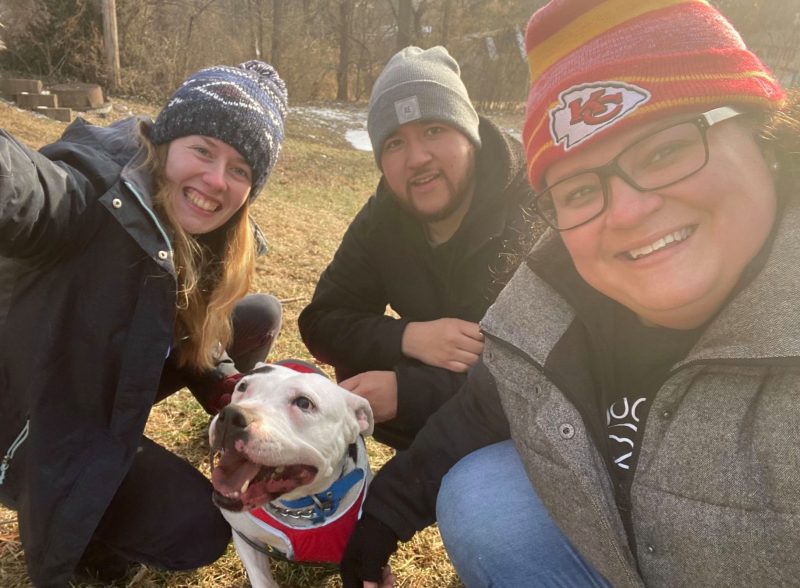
(79, 96)
(30, 95)
(56, 102)
(10, 87)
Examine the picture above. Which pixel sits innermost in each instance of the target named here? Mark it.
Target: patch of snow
(359, 139)
(352, 122)
(356, 118)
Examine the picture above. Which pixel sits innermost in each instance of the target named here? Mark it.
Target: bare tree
(324, 49)
(278, 12)
(345, 37)
(111, 42)
(445, 36)
(196, 10)
(255, 12)
(405, 23)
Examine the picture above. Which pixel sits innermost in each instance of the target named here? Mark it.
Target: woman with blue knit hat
(633, 420)
(126, 254)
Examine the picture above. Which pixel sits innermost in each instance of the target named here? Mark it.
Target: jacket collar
(138, 179)
(762, 321)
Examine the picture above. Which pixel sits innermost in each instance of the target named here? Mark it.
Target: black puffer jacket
(385, 258)
(87, 308)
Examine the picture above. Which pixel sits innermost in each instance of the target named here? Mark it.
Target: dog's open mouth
(240, 484)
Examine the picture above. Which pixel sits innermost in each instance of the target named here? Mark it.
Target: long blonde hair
(214, 271)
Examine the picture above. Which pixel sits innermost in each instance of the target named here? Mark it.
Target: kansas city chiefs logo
(586, 109)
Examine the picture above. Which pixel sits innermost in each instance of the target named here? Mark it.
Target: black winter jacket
(87, 310)
(385, 258)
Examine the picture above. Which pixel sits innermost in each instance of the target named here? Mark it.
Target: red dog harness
(325, 539)
(321, 543)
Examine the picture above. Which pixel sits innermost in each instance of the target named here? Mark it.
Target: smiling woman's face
(673, 255)
(209, 181)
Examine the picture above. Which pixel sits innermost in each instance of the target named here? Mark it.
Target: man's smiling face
(429, 166)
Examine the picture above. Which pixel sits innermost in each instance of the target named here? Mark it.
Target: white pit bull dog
(292, 470)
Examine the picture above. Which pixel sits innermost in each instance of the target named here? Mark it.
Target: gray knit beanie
(419, 84)
(244, 106)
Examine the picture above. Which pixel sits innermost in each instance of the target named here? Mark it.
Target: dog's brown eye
(303, 403)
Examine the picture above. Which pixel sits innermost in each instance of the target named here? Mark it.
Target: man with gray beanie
(434, 243)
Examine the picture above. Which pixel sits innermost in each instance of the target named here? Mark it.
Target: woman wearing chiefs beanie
(645, 359)
(126, 253)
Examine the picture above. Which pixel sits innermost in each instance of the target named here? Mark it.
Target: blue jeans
(498, 533)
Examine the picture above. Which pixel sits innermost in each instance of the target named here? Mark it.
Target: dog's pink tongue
(264, 491)
(232, 472)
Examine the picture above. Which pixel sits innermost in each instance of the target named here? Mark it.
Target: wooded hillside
(324, 49)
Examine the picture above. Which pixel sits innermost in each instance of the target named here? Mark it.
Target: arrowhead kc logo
(599, 108)
(583, 110)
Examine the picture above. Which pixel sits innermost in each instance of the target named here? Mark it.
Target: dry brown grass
(315, 190)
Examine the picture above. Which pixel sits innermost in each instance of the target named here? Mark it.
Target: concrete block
(14, 86)
(34, 101)
(79, 96)
(62, 114)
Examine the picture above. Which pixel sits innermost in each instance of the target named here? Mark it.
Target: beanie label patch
(585, 109)
(407, 110)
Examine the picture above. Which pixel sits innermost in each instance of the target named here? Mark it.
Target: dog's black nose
(233, 420)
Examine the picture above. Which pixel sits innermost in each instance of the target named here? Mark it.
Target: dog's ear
(363, 412)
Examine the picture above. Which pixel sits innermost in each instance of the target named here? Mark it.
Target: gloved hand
(367, 553)
(220, 393)
(227, 386)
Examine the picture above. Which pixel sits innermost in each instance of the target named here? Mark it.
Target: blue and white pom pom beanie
(244, 106)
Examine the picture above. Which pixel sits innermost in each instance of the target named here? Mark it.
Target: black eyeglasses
(657, 160)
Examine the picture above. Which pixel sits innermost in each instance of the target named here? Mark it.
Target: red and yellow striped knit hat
(599, 66)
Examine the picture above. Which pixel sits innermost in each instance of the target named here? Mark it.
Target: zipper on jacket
(6, 463)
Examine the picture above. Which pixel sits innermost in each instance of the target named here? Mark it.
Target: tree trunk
(255, 13)
(345, 26)
(182, 64)
(278, 11)
(446, 22)
(405, 19)
(111, 43)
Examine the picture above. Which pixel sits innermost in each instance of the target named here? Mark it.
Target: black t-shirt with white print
(641, 358)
